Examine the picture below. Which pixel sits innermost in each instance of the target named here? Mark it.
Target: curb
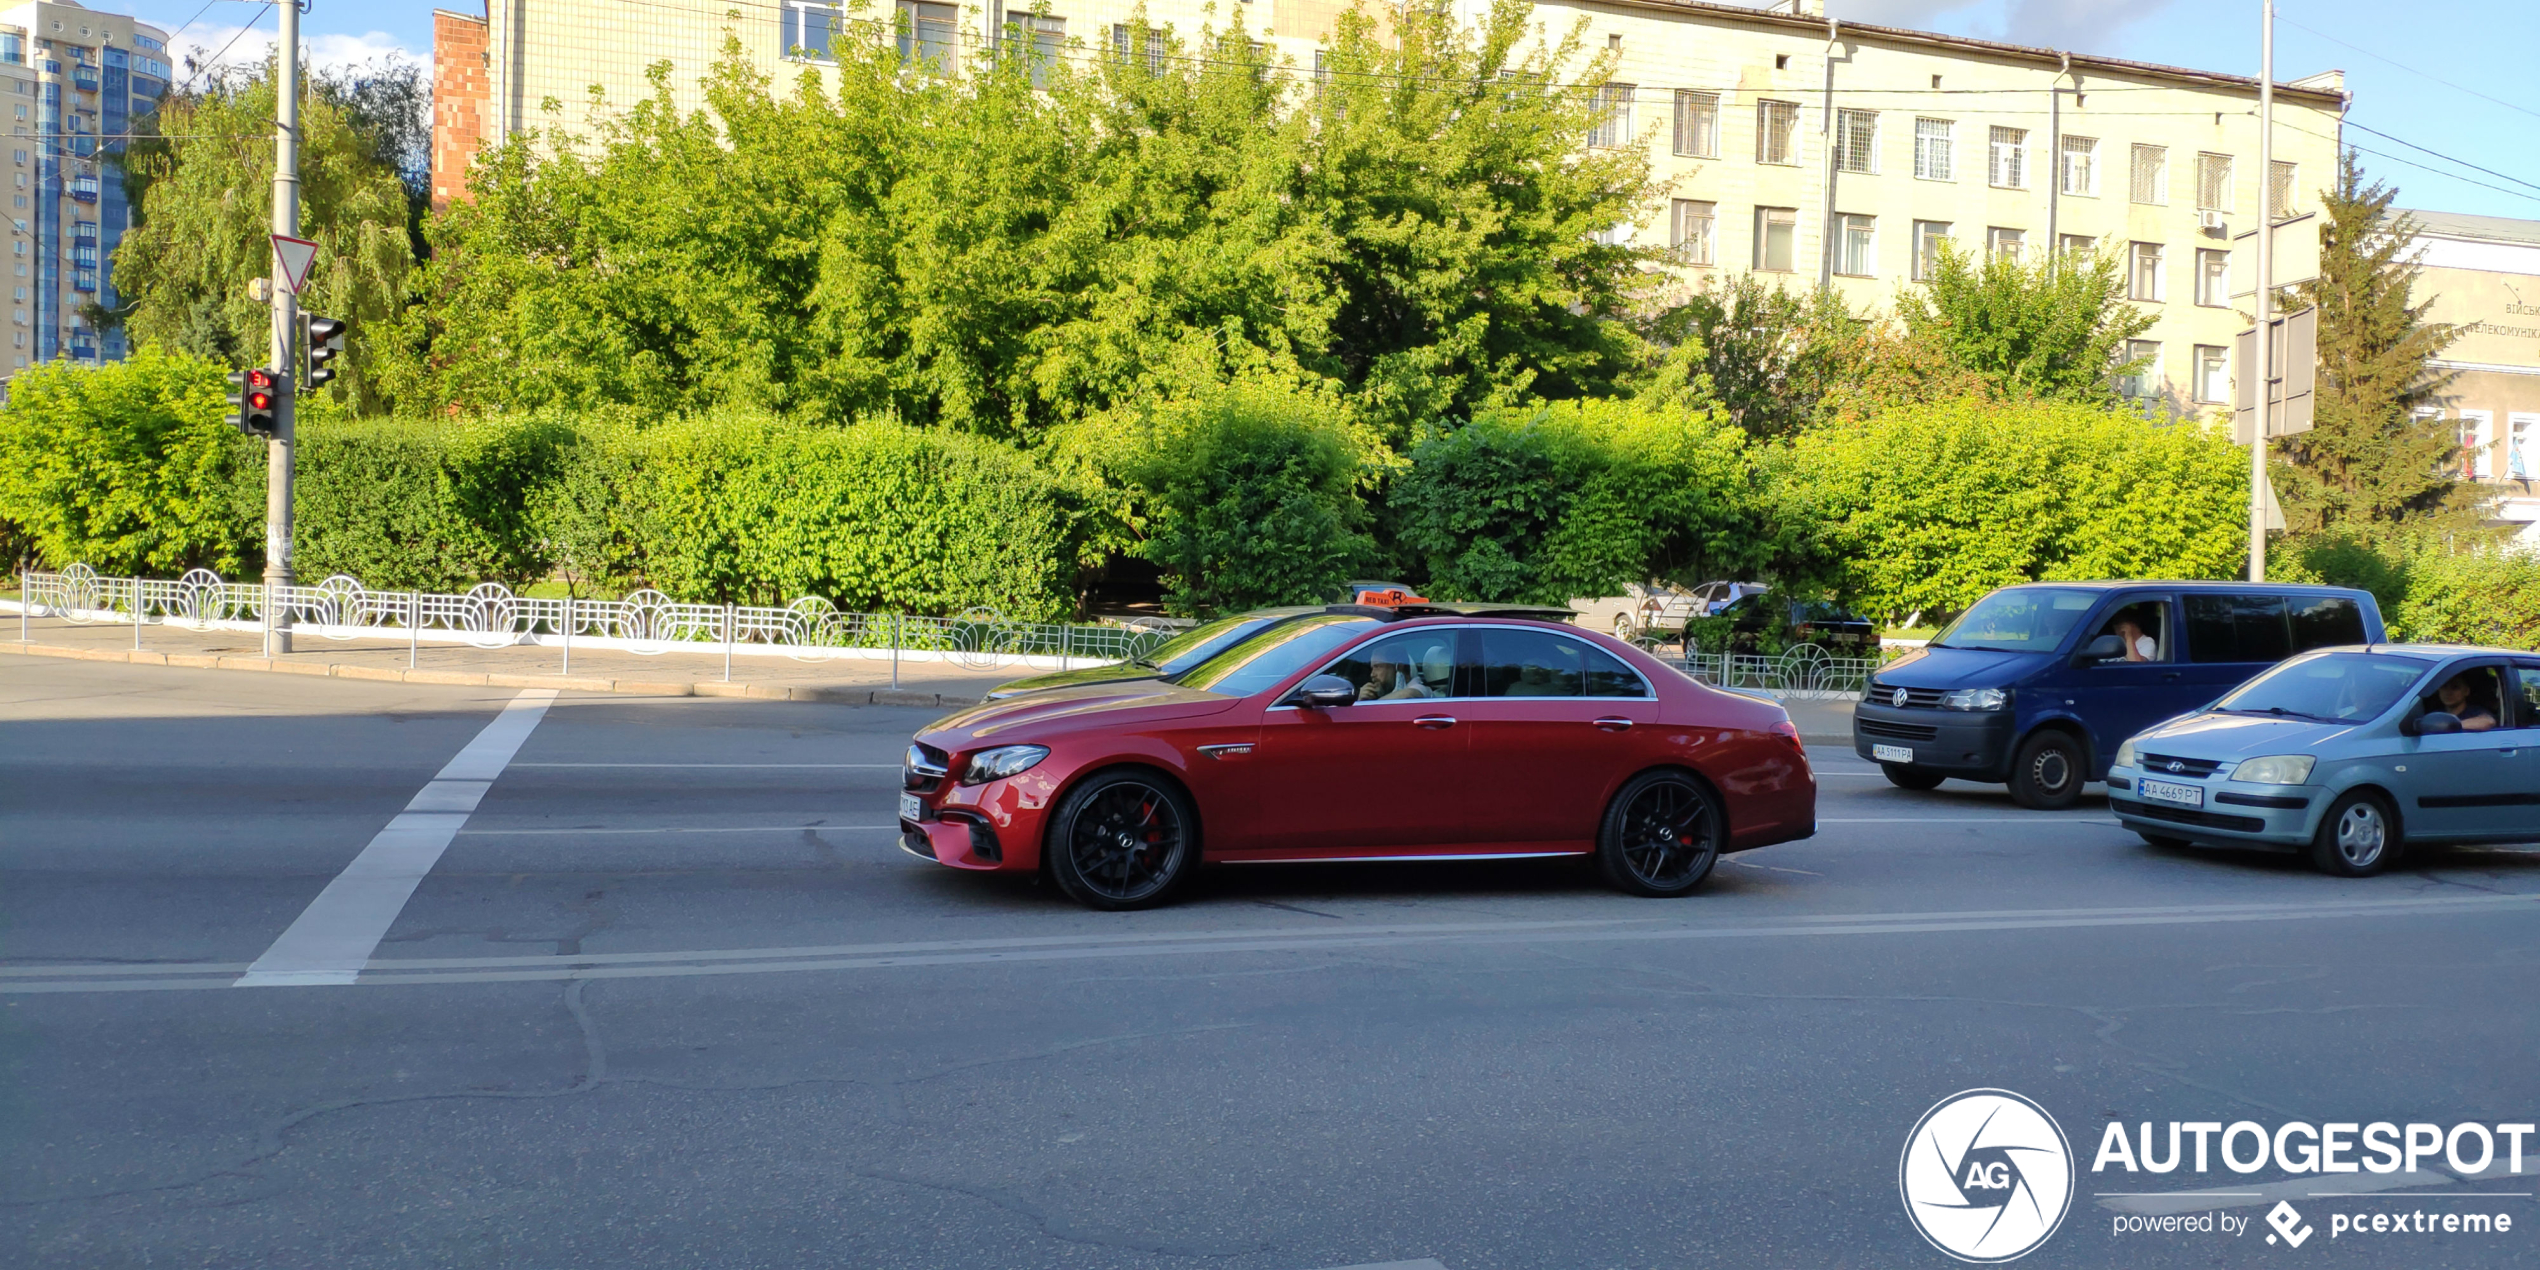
(466, 679)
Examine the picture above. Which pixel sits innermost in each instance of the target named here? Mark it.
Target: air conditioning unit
(2209, 220)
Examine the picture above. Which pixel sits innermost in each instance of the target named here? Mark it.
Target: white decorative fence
(647, 622)
(1804, 672)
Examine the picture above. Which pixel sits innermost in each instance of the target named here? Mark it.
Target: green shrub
(426, 505)
(746, 508)
(1251, 497)
(128, 468)
(1928, 507)
(1574, 499)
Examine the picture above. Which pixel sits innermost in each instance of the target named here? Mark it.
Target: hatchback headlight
(1002, 762)
(2275, 769)
(1974, 699)
(2125, 754)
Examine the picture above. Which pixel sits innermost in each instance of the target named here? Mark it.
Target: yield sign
(296, 255)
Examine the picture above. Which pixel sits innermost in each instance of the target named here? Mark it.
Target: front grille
(2181, 815)
(1915, 698)
(923, 768)
(1900, 731)
(2195, 769)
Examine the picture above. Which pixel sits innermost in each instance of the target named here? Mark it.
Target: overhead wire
(2379, 57)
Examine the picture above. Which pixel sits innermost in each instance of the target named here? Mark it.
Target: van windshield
(2019, 620)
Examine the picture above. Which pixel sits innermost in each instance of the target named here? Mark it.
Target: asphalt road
(673, 997)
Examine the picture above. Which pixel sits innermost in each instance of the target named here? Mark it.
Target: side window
(2237, 628)
(1519, 663)
(2325, 623)
(1411, 666)
(2143, 626)
(2475, 695)
(2526, 695)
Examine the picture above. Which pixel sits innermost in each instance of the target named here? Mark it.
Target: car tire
(1660, 836)
(1123, 839)
(1904, 777)
(2048, 772)
(2357, 838)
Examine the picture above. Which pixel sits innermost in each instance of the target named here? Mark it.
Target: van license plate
(1892, 753)
(911, 810)
(2172, 792)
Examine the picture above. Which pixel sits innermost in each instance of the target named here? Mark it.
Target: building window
(2213, 279)
(2010, 158)
(2477, 436)
(2151, 175)
(927, 34)
(1614, 116)
(1777, 132)
(1695, 231)
(2081, 166)
(809, 30)
(1856, 246)
(1931, 150)
(2213, 378)
(1776, 238)
(1856, 140)
(1697, 124)
(2282, 190)
(2213, 183)
(2004, 244)
(1040, 38)
(2143, 275)
(2075, 244)
(2521, 460)
(1928, 236)
(2142, 374)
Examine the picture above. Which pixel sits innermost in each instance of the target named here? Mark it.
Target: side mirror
(1323, 692)
(2433, 723)
(2104, 648)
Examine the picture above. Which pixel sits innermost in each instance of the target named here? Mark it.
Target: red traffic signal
(256, 400)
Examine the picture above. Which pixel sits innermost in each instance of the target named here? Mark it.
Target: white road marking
(335, 936)
(1061, 948)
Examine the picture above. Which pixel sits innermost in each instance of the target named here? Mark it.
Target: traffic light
(257, 400)
(326, 339)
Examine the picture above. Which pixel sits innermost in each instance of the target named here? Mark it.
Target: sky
(2452, 77)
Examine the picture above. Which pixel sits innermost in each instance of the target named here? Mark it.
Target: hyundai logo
(2177, 766)
(1899, 699)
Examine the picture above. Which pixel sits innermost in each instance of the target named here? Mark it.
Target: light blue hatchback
(2347, 753)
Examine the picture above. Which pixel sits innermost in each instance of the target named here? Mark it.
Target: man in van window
(2138, 646)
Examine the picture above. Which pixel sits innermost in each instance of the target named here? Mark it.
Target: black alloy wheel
(1123, 840)
(1661, 835)
(2047, 774)
(1904, 777)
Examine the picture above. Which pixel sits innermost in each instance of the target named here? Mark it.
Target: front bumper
(2234, 811)
(1974, 744)
(990, 827)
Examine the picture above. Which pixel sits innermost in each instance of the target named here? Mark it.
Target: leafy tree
(1768, 355)
(2051, 329)
(202, 197)
(128, 468)
(2368, 465)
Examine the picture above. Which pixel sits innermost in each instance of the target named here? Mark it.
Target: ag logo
(1986, 1175)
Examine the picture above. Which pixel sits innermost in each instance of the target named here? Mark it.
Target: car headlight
(1002, 762)
(2275, 769)
(2125, 754)
(1974, 699)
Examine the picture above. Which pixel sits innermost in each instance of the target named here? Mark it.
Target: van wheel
(2357, 837)
(2047, 775)
(1904, 777)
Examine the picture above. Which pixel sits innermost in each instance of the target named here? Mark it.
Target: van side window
(2237, 628)
(2143, 628)
(2324, 623)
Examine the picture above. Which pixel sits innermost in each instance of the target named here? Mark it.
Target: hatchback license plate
(1892, 753)
(2172, 792)
(911, 809)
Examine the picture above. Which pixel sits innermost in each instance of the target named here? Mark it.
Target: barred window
(1614, 117)
(2281, 190)
(2151, 182)
(1777, 132)
(1931, 149)
(1697, 124)
(2081, 165)
(2213, 183)
(1695, 233)
(2010, 158)
(1856, 140)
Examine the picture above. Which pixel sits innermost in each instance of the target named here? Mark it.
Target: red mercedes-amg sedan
(1424, 732)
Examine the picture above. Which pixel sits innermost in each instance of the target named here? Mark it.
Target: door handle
(1615, 724)
(1434, 721)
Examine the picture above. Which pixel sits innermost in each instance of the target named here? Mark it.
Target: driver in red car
(1389, 678)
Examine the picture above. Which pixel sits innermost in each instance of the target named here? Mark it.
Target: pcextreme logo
(1986, 1176)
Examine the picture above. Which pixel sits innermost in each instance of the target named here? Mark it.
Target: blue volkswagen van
(2037, 685)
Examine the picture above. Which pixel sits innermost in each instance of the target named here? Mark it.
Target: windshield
(1272, 655)
(1200, 643)
(2019, 620)
(2337, 687)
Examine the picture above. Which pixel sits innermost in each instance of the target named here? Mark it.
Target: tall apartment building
(1803, 148)
(75, 81)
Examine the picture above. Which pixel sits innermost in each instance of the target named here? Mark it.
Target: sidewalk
(849, 680)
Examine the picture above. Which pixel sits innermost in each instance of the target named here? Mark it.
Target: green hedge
(441, 505)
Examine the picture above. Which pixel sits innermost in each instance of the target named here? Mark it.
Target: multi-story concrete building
(1804, 148)
(2482, 274)
(77, 81)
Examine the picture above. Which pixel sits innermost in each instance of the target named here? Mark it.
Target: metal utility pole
(2259, 495)
(286, 321)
